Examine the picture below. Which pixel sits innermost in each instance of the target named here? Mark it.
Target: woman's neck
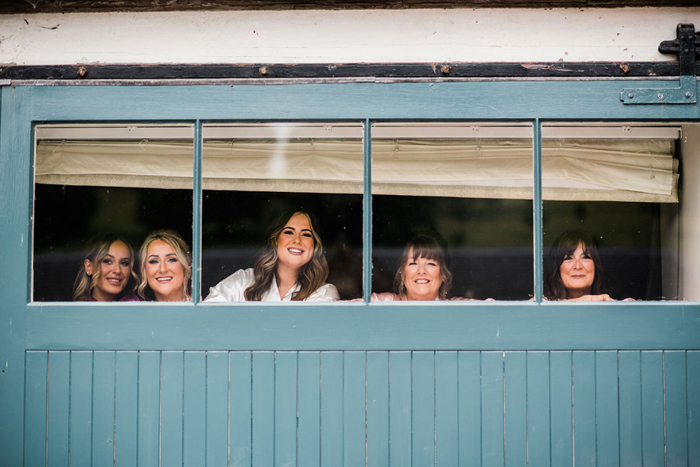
(178, 296)
(577, 293)
(286, 279)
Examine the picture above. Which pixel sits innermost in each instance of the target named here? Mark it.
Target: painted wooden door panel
(361, 408)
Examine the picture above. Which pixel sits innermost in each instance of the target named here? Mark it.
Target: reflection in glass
(127, 180)
(252, 174)
(615, 188)
(469, 186)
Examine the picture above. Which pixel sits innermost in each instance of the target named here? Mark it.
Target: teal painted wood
(492, 424)
(629, 374)
(399, 409)
(197, 213)
(693, 378)
(285, 409)
(469, 408)
(584, 408)
(58, 376)
(446, 409)
(240, 369)
(263, 409)
(194, 409)
(676, 408)
(377, 409)
(515, 408)
(652, 408)
(367, 212)
(331, 408)
(217, 408)
(607, 409)
(171, 399)
(149, 409)
(35, 410)
(103, 383)
(309, 389)
(125, 409)
(537, 230)
(423, 409)
(538, 414)
(354, 408)
(560, 408)
(81, 394)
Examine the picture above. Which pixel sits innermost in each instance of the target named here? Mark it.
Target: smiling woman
(166, 267)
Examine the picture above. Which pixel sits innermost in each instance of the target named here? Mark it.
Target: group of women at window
(293, 267)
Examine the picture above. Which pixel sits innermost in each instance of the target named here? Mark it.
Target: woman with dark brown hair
(292, 267)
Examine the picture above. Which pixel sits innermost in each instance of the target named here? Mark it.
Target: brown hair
(311, 276)
(424, 246)
(96, 249)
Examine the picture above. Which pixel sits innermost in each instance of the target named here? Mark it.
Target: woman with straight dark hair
(292, 267)
(107, 273)
(574, 271)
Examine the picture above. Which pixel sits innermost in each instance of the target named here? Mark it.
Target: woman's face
(115, 270)
(295, 244)
(164, 272)
(577, 272)
(421, 276)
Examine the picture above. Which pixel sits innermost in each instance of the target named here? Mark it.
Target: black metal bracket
(686, 46)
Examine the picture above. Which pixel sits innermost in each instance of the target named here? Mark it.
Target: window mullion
(197, 213)
(537, 206)
(367, 211)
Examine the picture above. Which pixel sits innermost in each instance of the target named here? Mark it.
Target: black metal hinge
(686, 46)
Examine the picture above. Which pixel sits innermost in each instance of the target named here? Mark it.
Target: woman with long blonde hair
(292, 267)
(166, 267)
(107, 273)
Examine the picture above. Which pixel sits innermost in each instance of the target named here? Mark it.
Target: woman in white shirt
(292, 267)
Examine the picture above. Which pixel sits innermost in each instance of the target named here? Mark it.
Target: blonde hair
(95, 250)
(312, 275)
(182, 251)
(424, 246)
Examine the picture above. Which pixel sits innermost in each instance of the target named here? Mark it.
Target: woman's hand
(592, 298)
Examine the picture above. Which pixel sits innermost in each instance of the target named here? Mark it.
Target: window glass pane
(255, 173)
(464, 189)
(113, 184)
(611, 211)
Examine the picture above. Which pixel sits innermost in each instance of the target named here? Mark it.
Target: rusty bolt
(625, 68)
(263, 71)
(445, 69)
(82, 71)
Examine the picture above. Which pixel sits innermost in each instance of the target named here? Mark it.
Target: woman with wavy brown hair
(292, 267)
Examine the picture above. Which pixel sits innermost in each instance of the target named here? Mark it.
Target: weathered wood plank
(217, 408)
(149, 409)
(630, 377)
(263, 431)
(516, 408)
(377, 408)
(285, 408)
(354, 412)
(309, 408)
(652, 387)
(81, 394)
(676, 409)
(423, 408)
(172, 380)
(492, 408)
(560, 408)
(58, 411)
(446, 408)
(126, 409)
(35, 412)
(400, 408)
(331, 408)
(469, 408)
(103, 408)
(241, 407)
(538, 400)
(584, 408)
(607, 414)
(194, 409)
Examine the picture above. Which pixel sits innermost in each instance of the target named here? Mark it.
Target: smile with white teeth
(421, 281)
(295, 251)
(164, 279)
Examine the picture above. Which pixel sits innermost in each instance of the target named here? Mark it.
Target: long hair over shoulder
(95, 250)
(181, 250)
(311, 276)
(424, 246)
(563, 246)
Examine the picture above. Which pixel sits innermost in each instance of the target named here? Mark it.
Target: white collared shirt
(232, 289)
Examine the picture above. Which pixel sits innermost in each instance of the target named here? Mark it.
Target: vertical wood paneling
(630, 408)
(149, 409)
(400, 408)
(103, 408)
(584, 409)
(241, 406)
(331, 408)
(309, 388)
(285, 408)
(36, 365)
(492, 408)
(217, 408)
(354, 413)
(423, 408)
(194, 409)
(676, 409)
(59, 383)
(377, 408)
(125, 409)
(80, 408)
(538, 408)
(607, 433)
(172, 380)
(263, 447)
(560, 390)
(693, 388)
(652, 408)
(515, 408)
(469, 408)
(446, 409)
